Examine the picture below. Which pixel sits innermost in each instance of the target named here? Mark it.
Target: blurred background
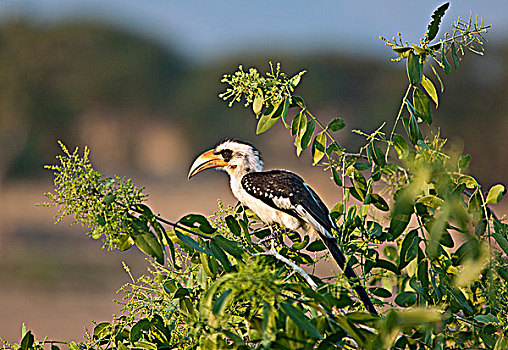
(138, 83)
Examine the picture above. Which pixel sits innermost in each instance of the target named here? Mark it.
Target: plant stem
(399, 115)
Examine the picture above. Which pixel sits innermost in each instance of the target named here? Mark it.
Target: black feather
(280, 183)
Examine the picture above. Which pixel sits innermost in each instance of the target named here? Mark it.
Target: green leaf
(102, 330)
(414, 68)
(377, 155)
(455, 56)
(488, 318)
(299, 318)
(221, 302)
(438, 77)
(269, 118)
(446, 66)
(422, 106)
(316, 246)
(408, 248)
(411, 125)
(502, 241)
(431, 89)
(300, 245)
(336, 177)
(400, 146)
(298, 101)
(294, 81)
(496, 193)
(137, 330)
(284, 113)
(475, 207)
(401, 215)
(387, 265)
(380, 292)
(467, 180)
(309, 132)
(191, 243)
(197, 221)
(148, 244)
(336, 124)
(406, 299)
(379, 202)
(220, 255)
(319, 147)
(230, 247)
(431, 201)
(433, 27)
(299, 123)
(257, 105)
(464, 162)
(28, 341)
(233, 225)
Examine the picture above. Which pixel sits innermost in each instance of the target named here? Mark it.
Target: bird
(277, 197)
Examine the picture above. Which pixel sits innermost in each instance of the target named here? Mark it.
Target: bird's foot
(274, 235)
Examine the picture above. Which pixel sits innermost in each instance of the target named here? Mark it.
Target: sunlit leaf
(400, 146)
(431, 89)
(299, 123)
(319, 147)
(269, 118)
(496, 193)
(257, 105)
(422, 106)
(148, 244)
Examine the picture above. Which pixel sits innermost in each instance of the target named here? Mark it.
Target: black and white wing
(287, 192)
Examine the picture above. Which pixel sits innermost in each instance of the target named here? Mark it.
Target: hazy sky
(207, 29)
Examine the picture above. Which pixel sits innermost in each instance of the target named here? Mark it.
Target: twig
(273, 252)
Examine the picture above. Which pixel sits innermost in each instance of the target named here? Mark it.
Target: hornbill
(277, 196)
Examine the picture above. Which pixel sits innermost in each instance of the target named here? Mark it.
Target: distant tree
(53, 74)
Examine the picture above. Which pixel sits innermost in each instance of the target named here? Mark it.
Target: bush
(431, 252)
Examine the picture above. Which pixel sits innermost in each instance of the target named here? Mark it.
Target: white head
(235, 157)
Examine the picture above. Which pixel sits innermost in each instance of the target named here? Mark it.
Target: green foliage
(432, 253)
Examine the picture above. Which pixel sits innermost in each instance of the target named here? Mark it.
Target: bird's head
(237, 158)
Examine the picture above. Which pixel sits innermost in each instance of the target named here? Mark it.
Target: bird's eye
(227, 154)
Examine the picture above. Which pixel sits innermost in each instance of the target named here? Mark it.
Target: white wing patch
(310, 219)
(282, 202)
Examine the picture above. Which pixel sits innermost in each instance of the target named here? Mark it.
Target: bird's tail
(334, 249)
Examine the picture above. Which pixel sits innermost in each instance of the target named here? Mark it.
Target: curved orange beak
(206, 161)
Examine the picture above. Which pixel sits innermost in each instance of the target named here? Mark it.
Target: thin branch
(273, 252)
